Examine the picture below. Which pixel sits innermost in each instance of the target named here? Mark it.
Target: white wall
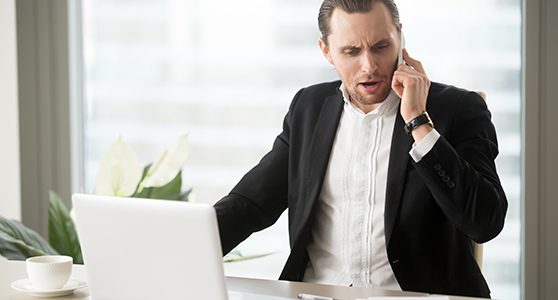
(10, 194)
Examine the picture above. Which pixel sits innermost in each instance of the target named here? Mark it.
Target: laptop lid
(149, 249)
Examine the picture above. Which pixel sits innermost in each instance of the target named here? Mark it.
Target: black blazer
(433, 209)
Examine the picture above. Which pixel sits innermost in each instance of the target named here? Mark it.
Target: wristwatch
(416, 122)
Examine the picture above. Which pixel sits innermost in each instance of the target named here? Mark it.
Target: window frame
(49, 105)
(51, 130)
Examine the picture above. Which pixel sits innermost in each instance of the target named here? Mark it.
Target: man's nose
(368, 63)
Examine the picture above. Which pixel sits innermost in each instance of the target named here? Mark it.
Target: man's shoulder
(328, 85)
(311, 98)
(452, 96)
(322, 89)
(450, 107)
(438, 89)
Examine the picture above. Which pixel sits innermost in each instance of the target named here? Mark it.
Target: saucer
(24, 285)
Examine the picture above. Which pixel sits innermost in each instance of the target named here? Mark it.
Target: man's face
(363, 47)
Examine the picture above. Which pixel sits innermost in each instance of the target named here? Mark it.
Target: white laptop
(151, 249)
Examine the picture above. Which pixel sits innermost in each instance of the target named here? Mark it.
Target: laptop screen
(149, 249)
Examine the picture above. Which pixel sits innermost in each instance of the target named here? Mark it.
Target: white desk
(14, 270)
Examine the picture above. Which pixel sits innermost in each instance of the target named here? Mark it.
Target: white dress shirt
(348, 240)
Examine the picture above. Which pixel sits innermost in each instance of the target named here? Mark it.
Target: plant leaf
(141, 192)
(62, 233)
(17, 242)
(186, 195)
(170, 191)
(164, 170)
(119, 171)
(236, 256)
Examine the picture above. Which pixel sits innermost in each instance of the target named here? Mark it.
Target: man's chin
(371, 99)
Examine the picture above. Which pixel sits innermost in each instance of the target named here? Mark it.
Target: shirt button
(451, 184)
(446, 179)
(441, 173)
(437, 167)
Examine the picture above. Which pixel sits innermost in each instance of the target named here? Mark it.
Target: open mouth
(371, 86)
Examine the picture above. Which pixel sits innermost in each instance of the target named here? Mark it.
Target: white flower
(120, 171)
(167, 166)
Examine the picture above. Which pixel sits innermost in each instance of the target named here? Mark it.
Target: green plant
(120, 174)
(18, 242)
(62, 233)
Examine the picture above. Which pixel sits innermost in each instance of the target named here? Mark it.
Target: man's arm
(461, 173)
(260, 197)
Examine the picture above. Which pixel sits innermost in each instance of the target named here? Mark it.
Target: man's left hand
(411, 84)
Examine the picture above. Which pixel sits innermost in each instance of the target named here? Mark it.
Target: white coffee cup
(49, 272)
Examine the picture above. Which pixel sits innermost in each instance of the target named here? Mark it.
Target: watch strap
(423, 118)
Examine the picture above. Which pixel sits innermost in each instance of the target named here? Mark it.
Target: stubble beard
(357, 97)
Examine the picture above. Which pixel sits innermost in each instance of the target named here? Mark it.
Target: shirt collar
(391, 101)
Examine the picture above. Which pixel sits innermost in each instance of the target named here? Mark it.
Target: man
(388, 178)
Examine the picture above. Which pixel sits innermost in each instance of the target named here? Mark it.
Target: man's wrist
(418, 121)
(421, 131)
(408, 117)
(422, 148)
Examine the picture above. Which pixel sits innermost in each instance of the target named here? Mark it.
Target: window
(226, 72)
(477, 45)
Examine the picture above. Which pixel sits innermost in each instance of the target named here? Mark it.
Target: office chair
(477, 253)
(478, 248)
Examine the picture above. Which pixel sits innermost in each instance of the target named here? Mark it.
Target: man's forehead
(373, 25)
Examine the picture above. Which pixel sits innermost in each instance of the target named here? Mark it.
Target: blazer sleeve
(260, 197)
(461, 174)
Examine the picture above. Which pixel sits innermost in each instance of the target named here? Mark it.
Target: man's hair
(352, 6)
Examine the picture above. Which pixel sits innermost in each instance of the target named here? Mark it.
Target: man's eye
(352, 52)
(381, 46)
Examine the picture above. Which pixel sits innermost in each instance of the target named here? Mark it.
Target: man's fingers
(417, 65)
(407, 77)
(408, 70)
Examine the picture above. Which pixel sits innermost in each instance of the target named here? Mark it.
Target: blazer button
(441, 173)
(446, 179)
(437, 167)
(451, 184)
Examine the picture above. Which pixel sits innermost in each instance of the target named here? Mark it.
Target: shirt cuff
(424, 146)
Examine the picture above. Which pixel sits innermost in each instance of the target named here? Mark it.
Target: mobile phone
(400, 58)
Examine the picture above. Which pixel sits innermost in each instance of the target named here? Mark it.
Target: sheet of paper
(250, 296)
(406, 298)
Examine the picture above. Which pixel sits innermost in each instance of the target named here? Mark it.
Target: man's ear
(325, 50)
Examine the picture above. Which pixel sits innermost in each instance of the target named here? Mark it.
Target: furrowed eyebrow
(349, 48)
(353, 47)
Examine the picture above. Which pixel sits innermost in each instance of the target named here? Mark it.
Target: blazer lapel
(397, 170)
(315, 166)
(320, 150)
